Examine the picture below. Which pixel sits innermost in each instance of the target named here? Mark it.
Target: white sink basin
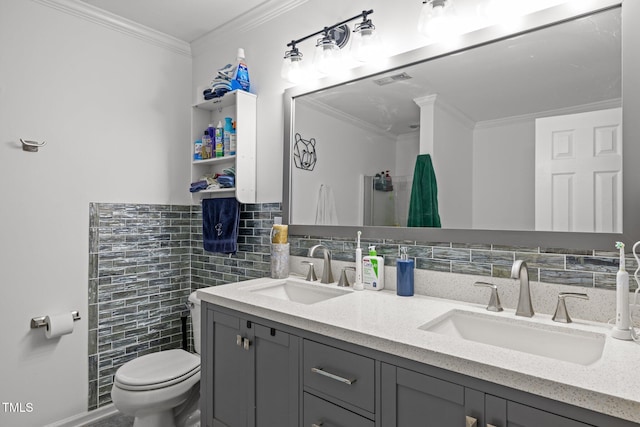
(298, 291)
(576, 346)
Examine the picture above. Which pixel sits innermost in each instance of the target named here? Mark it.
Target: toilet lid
(157, 370)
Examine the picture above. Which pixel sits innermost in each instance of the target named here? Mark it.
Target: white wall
(114, 111)
(368, 153)
(504, 176)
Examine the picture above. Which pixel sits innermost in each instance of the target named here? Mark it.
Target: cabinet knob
(471, 422)
(246, 343)
(239, 340)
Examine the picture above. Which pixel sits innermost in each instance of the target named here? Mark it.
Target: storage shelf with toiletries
(233, 170)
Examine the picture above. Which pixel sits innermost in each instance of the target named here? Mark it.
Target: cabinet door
(230, 371)
(276, 373)
(412, 399)
(503, 413)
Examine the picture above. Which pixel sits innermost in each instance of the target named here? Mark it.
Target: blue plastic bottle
(404, 273)
(241, 73)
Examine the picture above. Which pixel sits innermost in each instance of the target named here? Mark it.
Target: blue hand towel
(220, 223)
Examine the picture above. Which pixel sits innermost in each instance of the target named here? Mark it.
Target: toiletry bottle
(232, 140)
(373, 270)
(219, 140)
(404, 273)
(227, 135)
(211, 131)
(357, 285)
(206, 146)
(241, 73)
(197, 150)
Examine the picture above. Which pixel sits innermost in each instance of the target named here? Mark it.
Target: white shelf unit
(241, 107)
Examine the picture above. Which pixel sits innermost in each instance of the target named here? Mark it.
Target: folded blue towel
(220, 223)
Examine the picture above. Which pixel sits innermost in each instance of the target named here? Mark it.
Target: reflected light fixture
(436, 20)
(328, 58)
(365, 45)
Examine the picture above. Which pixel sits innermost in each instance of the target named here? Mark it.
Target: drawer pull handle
(316, 424)
(471, 422)
(324, 373)
(246, 343)
(239, 340)
(490, 425)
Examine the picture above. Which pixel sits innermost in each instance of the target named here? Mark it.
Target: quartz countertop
(389, 323)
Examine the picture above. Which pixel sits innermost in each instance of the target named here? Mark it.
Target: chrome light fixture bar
(328, 55)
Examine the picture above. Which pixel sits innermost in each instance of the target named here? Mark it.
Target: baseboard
(86, 418)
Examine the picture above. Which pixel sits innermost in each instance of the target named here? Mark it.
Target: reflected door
(579, 172)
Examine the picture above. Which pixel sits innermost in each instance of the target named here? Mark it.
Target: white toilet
(162, 389)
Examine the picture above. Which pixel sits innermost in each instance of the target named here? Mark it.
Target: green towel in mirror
(423, 207)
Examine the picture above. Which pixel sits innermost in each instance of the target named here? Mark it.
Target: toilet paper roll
(58, 325)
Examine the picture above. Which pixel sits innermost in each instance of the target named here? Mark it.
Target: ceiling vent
(392, 79)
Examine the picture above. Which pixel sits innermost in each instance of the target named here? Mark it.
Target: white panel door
(579, 172)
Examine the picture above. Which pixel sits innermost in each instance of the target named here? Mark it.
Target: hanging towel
(220, 223)
(326, 209)
(423, 207)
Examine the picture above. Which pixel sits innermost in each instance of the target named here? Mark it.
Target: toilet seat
(157, 370)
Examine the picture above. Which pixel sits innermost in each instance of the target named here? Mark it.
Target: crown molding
(370, 128)
(265, 12)
(528, 118)
(119, 24)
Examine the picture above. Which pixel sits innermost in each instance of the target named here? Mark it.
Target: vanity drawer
(346, 376)
(319, 412)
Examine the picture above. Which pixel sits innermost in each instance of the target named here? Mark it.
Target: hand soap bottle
(404, 274)
(373, 270)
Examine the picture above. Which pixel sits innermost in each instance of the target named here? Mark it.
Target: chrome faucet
(327, 276)
(520, 271)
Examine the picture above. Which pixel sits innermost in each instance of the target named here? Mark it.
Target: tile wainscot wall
(145, 260)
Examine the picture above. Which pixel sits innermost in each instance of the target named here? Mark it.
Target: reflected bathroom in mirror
(525, 134)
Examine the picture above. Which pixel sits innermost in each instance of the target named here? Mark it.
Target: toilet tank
(195, 321)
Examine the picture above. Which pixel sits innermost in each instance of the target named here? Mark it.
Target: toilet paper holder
(39, 322)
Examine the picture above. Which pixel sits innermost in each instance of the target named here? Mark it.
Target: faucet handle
(311, 274)
(494, 301)
(561, 314)
(344, 282)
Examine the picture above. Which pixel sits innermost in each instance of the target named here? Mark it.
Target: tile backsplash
(144, 260)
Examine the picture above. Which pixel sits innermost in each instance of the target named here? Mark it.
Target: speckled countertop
(386, 322)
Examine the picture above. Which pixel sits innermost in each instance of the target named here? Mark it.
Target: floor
(117, 420)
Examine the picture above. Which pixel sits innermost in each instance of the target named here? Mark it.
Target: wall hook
(31, 146)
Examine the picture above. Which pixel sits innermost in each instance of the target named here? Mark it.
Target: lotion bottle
(404, 273)
(357, 286)
(373, 270)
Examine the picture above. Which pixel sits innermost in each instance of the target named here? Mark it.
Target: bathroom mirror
(480, 111)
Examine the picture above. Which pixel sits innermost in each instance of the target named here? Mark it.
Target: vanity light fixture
(365, 44)
(328, 58)
(293, 68)
(436, 19)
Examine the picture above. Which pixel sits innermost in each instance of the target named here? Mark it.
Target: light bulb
(328, 56)
(365, 45)
(436, 20)
(293, 67)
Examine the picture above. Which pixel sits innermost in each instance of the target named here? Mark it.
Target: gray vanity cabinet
(410, 399)
(259, 373)
(250, 374)
(501, 412)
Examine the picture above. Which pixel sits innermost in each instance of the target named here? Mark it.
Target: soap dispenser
(404, 274)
